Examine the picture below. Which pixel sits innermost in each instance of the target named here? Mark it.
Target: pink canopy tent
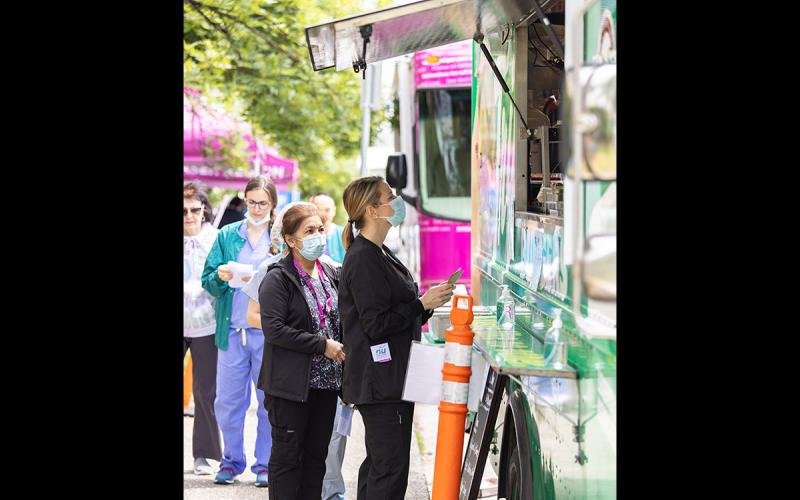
(203, 123)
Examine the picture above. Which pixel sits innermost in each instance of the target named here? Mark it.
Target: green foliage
(228, 151)
(215, 196)
(253, 52)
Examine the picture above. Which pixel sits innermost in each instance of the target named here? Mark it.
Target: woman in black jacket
(301, 372)
(381, 314)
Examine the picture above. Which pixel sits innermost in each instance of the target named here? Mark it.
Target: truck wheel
(513, 486)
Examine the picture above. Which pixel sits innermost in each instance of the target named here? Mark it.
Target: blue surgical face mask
(399, 207)
(254, 222)
(313, 246)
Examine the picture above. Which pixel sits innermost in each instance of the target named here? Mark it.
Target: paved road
(419, 481)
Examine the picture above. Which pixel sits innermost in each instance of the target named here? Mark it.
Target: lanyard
(328, 303)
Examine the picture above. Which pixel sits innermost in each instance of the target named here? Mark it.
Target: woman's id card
(380, 353)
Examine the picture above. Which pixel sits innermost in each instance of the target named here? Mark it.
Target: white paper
(345, 420)
(423, 382)
(424, 375)
(477, 381)
(239, 271)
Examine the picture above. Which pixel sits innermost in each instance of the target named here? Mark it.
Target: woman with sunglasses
(199, 324)
(241, 347)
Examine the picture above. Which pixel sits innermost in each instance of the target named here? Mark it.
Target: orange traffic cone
(187, 381)
(453, 406)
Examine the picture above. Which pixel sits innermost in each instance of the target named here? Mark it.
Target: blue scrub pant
(333, 482)
(236, 369)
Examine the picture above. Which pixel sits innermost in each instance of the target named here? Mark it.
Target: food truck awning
(408, 28)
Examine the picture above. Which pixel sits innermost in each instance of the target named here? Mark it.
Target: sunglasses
(195, 211)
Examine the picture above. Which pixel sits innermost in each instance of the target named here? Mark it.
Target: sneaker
(225, 476)
(262, 479)
(201, 467)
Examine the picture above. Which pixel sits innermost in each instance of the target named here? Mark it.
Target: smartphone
(454, 277)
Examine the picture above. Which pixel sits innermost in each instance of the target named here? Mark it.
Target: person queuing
(199, 324)
(333, 485)
(301, 372)
(327, 211)
(241, 347)
(381, 313)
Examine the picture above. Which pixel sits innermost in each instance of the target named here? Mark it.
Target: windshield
(444, 160)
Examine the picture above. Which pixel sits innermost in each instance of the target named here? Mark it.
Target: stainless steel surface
(408, 28)
(544, 139)
(437, 325)
(540, 372)
(440, 320)
(521, 159)
(538, 218)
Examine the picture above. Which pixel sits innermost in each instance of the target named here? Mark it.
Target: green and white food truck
(543, 176)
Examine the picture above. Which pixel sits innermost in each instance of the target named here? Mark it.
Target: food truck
(543, 224)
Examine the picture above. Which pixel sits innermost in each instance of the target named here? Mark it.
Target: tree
(254, 54)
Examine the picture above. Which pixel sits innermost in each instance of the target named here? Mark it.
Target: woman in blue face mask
(301, 372)
(382, 313)
(240, 347)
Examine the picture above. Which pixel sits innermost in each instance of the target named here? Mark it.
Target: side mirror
(599, 267)
(397, 171)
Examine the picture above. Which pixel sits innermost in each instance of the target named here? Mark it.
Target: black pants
(383, 474)
(300, 436)
(205, 432)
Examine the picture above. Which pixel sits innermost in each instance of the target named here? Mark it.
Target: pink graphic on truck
(446, 66)
(444, 246)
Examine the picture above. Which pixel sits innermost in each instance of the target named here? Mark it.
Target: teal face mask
(399, 207)
(313, 247)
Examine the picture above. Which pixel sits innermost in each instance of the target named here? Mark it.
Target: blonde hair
(357, 196)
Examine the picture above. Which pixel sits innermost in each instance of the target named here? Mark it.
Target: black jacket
(289, 344)
(378, 302)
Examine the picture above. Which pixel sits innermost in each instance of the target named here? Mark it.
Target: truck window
(444, 160)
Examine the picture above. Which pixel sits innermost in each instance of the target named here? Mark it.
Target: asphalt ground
(420, 479)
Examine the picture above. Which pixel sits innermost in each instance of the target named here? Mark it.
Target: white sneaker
(201, 467)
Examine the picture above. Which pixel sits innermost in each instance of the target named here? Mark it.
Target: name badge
(380, 353)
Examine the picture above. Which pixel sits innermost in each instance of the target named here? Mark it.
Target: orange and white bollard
(187, 381)
(453, 405)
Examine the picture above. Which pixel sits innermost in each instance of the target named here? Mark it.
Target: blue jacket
(225, 248)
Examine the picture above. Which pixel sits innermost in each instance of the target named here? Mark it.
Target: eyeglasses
(195, 211)
(261, 204)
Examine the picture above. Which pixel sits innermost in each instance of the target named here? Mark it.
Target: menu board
(480, 436)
